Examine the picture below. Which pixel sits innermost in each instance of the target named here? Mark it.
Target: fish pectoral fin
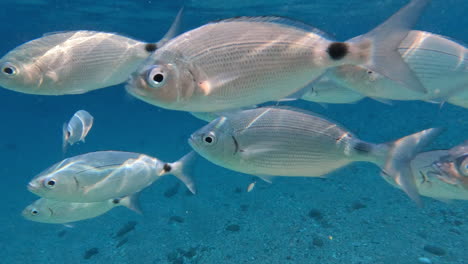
(382, 100)
(52, 75)
(132, 202)
(253, 152)
(266, 178)
(209, 85)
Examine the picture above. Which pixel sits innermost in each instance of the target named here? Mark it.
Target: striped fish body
(232, 64)
(71, 63)
(97, 176)
(60, 212)
(279, 141)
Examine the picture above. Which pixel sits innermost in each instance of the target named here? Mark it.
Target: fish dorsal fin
(278, 20)
(173, 30)
(65, 32)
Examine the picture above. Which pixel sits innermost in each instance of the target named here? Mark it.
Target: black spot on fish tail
(150, 47)
(363, 147)
(116, 201)
(167, 167)
(337, 50)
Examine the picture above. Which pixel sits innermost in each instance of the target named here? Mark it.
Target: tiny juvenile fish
(60, 212)
(103, 175)
(263, 59)
(284, 141)
(439, 62)
(251, 186)
(442, 174)
(77, 128)
(74, 62)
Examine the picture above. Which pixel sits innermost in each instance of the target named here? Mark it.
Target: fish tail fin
(398, 155)
(65, 137)
(173, 30)
(384, 41)
(183, 168)
(132, 202)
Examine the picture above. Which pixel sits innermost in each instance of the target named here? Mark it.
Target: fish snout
(33, 187)
(192, 141)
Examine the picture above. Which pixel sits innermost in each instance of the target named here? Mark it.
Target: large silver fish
(284, 141)
(77, 128)
(439, 62)
(103, 175)
(244, 61)
(442, 174)
(74, 62)
(59, 212)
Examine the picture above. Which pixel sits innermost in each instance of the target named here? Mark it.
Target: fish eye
(156, 77)
(209, 139)
(50, 183)
(34, 212)
(464, 168)
(9, 70)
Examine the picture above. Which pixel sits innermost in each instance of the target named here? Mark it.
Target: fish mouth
(192, 141)
(132, 83)
(32, 187)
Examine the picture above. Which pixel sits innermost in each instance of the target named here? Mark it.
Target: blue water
(364, 220)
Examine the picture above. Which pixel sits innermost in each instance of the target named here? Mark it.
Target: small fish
(251, 186)
(439, 63)
(128, 227)
(77, 128)
(328, 91)
(285, 141)
(103, 175)
(60, 212)
(75, 62)
(263, 59)
(442, 174)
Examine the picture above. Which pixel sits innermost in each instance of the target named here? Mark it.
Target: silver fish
(442, 174)
(250, 60)
(328, 91)
(59, 212)
(437, 61)
(284, 141)
(74, 62)
(77, 128)
(103, 175)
